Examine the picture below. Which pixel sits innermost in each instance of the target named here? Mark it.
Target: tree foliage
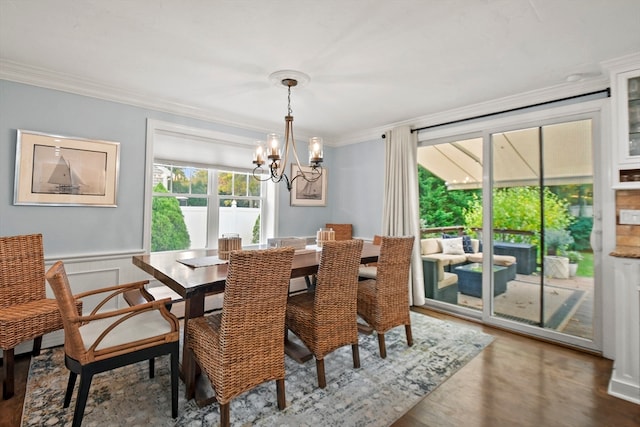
(581, 232)
(518, 208)
(168, 229)
(440, 207)
(256, 231)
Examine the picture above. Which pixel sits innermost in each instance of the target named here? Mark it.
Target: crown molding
(501, 104)
(40, 77)
(631, 60)
(26, 74)
(20, 73)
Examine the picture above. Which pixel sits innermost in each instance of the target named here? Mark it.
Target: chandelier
(277, 157)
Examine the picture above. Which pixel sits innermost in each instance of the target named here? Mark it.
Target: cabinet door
(626, 93)
(628, 97)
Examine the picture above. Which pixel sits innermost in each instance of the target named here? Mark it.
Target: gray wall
(355, 188)
(355, 175)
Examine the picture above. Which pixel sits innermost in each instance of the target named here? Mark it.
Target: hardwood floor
(519, 381)
(516, 381)
(11, 410)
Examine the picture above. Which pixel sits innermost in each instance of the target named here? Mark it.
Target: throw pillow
(452, 246)
(466, 242)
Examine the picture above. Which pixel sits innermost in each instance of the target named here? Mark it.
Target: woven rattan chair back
(242, 347)
(22, 267)
(25, 311)
(255, 299)
(342, 231)
(384, 302)
(335, 301)
(326, 319)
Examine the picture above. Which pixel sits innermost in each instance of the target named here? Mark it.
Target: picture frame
(65, 171)
(305, 193)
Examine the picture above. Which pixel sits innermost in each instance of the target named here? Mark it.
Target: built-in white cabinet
(625, 378)
(625, 93)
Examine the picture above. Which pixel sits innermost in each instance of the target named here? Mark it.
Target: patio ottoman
(470, 279)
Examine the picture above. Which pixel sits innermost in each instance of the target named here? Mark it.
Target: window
(193, 206)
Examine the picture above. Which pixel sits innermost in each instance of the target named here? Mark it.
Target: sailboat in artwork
(67, 181)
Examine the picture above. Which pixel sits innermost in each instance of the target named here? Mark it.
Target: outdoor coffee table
(470, 279)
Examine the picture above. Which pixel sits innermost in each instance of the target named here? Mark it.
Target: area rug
(376, 394)
(521, 302)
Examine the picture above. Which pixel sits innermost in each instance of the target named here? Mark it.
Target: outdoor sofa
(440, 256)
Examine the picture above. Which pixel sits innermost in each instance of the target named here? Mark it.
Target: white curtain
(401, 212)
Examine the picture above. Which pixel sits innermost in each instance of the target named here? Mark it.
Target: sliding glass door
(524, 195)
(542, 217)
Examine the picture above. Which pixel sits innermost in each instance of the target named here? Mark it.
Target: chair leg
(37, 344)
(322, 381)
(407, 330)
(356, 355)
(224, 415)
(8, 372)
(174, 381)
(70, 385)
(83, 394)
(282, 401)
(152, 367)
(383, 348)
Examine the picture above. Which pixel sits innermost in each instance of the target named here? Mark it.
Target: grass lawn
(585, 267)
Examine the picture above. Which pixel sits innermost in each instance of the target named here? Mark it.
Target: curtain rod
(481, 116)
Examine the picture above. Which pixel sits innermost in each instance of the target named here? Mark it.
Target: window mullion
(213, 210)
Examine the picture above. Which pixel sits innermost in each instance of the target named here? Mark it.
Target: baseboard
(623, 389)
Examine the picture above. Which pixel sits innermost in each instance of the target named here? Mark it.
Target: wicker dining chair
(342, 231)
(25, 311)
(242, 347)
(325, 319)
(109, 339)
(383, 302)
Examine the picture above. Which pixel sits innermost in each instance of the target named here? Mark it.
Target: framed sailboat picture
(311, 191)
(65, 171)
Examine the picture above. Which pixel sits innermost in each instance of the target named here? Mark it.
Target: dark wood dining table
(193, 284)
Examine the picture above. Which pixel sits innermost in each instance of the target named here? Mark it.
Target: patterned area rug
(377, 394)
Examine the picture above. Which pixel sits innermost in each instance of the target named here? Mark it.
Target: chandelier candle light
(272, 149)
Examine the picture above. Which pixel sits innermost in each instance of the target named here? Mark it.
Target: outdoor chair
(109, 339)
(242, 347)
(383, 302)
(25, 311)
(326, 319)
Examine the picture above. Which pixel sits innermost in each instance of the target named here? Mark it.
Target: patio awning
(567, 154)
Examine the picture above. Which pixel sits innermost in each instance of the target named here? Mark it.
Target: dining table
(194, 274)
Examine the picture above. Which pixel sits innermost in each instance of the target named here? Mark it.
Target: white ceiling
(371, 62)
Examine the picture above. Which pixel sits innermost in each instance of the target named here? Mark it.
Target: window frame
(221, 141)
(591, 109)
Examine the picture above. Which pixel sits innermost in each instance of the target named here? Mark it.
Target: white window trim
(155, 127)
